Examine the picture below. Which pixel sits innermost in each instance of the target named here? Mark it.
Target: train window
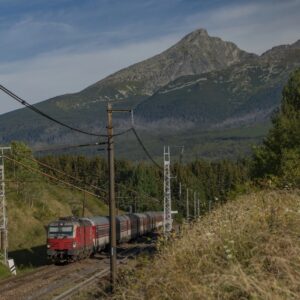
(53, 229)
(60, 231)
(67, 229)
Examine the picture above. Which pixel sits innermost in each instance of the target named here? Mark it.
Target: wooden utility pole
(187, 205)
(112, 204)
(195, 205)
(112, 200)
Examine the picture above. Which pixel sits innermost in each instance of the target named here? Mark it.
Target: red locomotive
(71, 238)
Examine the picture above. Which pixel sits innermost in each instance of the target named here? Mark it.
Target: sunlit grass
(247, 249)
(4, 271)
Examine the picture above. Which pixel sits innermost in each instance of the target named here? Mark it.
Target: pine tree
(280, 153)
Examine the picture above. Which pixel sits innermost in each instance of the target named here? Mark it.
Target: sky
(53, 47)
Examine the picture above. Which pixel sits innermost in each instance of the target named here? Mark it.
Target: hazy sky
(51, 47)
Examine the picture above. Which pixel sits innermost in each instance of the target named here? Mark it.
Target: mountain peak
(281, 50)
(196, 35)
(195, 53)
(296, 44)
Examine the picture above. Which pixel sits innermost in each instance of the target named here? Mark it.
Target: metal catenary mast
(3, 215)
(167, 191)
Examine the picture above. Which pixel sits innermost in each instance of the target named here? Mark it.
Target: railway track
(61, 282)
(93, 279)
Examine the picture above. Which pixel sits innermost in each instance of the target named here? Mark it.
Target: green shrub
(279, 154)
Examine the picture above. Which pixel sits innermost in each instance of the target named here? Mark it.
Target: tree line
(277, 160)
(139, 185)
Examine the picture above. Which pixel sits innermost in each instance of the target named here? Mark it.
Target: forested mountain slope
(201, 83)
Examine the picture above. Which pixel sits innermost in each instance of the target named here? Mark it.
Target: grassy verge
(4, 271)
(30, 208)
(247, 249)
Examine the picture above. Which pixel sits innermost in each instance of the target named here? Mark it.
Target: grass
(30, 209)
(4, 272)
(247, 249)
(39, 203)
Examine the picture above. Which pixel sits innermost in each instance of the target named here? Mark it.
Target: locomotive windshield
(60, 231)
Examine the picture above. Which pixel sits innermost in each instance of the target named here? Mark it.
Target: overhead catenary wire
(33, 108)
(67, 147)
(145, 149)
(36, 110)
(63, 173)
(41, 113)
(34, 170)
(142, 194)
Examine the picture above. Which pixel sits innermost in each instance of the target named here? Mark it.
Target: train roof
(123, 217)
(98, 220)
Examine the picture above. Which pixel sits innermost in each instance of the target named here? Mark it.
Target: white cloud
(254, 27)
(233, 13)
(62, 72)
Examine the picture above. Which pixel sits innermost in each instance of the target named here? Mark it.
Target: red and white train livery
(71, 238)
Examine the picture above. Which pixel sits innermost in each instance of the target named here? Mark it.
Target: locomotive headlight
(48, 246)
(74, 244)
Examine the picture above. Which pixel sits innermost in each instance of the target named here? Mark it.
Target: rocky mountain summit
(279, 52)
(201, 83)
(196, 53)
(240, 94)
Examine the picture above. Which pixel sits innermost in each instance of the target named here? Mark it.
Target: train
(70, 238)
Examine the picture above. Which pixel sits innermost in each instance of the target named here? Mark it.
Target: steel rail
(73, 290)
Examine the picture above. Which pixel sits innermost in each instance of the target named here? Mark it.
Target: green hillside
(199, 90)
(246, 249)
(244, 93)
(214, 144)
(32, 202)
(39, 203)
(198, 85)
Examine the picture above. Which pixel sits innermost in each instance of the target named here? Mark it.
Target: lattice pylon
(3, 220)
(3, 215)
(167, 191)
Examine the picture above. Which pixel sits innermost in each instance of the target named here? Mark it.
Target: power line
(80, 180)
(93, 186)
(67, 147)
(25, 103)
(145, 149)
(33, 108)
(122, 132)
(62, 173)
(140, 141)
(52, 177)
(41, 113)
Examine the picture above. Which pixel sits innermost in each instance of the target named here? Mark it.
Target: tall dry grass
(246, 249)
